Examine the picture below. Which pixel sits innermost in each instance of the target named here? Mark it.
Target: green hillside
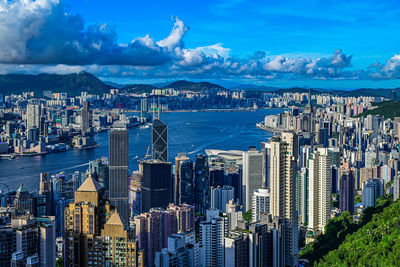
(372, 241)
(388, 109)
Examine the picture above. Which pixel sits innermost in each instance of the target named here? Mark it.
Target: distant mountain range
(75, 83)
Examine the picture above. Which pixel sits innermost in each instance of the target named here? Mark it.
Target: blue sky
(277, 43)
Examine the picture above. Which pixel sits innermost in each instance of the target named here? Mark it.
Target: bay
(189, 132)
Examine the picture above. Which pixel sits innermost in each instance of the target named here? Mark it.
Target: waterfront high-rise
(119, 172)
(253, 178)
(160, 140)
(86, 118)
(157, 184)
(283, 161)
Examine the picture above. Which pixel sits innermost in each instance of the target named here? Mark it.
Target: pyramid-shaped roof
(115, 219)
(90, 185)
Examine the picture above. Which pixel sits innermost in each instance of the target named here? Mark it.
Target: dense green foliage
(73, 83)
(60, 262)
(339, 230)
(374, 244)
(387, 109)
(247, 216)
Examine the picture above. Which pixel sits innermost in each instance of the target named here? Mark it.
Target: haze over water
(189, 132)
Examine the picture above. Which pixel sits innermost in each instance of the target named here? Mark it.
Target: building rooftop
(115, 219)
(90, 185)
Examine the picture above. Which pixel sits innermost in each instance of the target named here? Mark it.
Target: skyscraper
(283, 160)
(157, 184)
(186, 182)
(396, 187)
(119, 172)
(178, 160)
(84, 219)
(160, 140)
(346, 201)
(86, 118)
(319, 190)
(372, 190)
(32, 116)
(119, 245)
(212, 240)
(201, 183)
(253, 178)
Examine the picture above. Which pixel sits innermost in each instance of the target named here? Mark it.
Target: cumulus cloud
(41, 36)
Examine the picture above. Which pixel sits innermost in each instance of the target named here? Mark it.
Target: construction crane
(146, 156)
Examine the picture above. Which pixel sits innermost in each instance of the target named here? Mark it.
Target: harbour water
(189, 132)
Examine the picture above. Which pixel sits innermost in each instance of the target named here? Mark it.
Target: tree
(248, 215)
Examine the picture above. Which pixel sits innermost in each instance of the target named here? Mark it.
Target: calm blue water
(190, 132)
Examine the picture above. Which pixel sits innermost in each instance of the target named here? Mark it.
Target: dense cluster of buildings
(225, 208)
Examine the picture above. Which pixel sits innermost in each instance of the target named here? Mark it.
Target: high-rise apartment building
(283, 161)
(253, 178)
(32, 116)
(160, 140)
(86, 118)
(396, 187)
(372, 190)
(319, 189)
(119, 172)
(261, 203)
(212, 240)
(157, 184)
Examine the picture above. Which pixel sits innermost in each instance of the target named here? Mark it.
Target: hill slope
(347, 242)
(375, 244)
(388, 109)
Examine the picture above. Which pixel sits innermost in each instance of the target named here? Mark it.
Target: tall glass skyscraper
(160, 140)
(119, 172)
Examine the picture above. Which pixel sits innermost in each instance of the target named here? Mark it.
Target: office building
(17, 259)
(157, 184)
(177, 167)
(346, 200)
(283, 161)
(201, 182)
(84, 219)
(253, 178)
(119, 172)
(47, 237)
(184, 217)
(160, 140)
(7, 244)
(186, 182)
(119, 245)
